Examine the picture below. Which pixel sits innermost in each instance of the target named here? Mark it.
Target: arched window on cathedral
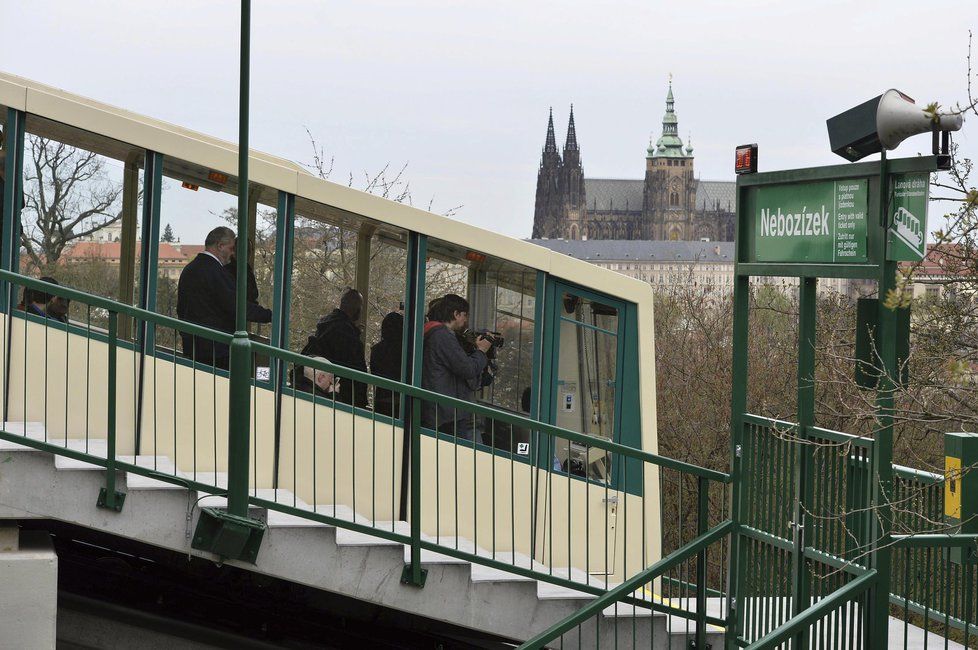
(574, 231)
(674, 199)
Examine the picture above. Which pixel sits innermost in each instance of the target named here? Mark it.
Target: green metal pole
(801, 579)
(239, 404)
(883, 449)
(738, 405)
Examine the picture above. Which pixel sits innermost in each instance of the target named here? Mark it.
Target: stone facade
(670, 203)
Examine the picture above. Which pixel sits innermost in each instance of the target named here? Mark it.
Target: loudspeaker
(882, 122)
(898, 118)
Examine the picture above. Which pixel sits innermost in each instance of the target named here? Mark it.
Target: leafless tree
(67, 196)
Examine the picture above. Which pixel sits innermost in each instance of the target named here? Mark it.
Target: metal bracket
(117, 502)
(407, 577)
(229, 536)
(612, 500)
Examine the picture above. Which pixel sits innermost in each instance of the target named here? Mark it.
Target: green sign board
(907, 235)
(811, 222)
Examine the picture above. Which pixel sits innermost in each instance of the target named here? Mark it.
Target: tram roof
(271, 171)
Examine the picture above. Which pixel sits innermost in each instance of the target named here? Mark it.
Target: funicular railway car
(559, 477)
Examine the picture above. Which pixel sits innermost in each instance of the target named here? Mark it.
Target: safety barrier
(107, 388)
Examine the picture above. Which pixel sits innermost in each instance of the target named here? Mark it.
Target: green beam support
(13, 198)
(149, 252)
(284, 228)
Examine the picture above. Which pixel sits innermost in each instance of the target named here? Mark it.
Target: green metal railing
(463, 496)
(585, 624)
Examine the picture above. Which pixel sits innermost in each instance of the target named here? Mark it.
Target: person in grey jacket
(447, 369)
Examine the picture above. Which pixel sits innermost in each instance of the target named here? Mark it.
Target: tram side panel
(185, 418)
(328, 455)
(59, 378)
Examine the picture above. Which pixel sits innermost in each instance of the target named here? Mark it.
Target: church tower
(547, 217)
(571, 183)
(669, 194)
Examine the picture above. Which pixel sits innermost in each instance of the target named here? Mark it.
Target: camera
(468, 338)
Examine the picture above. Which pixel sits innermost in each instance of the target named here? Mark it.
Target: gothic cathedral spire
(550, 154)
(571, 144)
(548, 200)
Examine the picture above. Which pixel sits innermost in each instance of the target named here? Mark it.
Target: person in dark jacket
(385, 361)
(337, 339)
(232, 268)
(206, 296)
(447, 369)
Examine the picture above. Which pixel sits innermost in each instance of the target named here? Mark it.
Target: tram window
(324, 262)
(194, 201)
(82, 198)
(512, 292)
(330, 250)
(587, 379)
(501, 297)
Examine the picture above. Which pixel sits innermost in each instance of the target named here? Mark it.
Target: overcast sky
(459, 91)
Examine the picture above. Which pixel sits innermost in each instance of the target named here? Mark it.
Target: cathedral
(670, 203)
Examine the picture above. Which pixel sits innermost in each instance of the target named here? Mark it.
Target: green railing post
(702, 526)
(738, 406)
(800, 578)
(882, 475)
(108, 497)
(240, 364)
(413, 574)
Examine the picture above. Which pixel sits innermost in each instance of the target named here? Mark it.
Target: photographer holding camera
(448, 369)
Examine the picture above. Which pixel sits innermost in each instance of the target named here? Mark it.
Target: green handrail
(623, 590)
(367, 378)
(511, 418)
(117, 307)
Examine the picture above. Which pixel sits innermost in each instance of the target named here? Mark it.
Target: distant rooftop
(618, 250)
(627, 195)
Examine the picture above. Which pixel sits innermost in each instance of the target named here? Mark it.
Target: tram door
(585, 370)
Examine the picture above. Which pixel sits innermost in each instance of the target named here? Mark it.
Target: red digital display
(745, 161)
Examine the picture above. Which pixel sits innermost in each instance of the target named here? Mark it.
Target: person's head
(392, 327)
(38, 297)
(220, 243)
(57, 307)
(351, 303)
(452, 310)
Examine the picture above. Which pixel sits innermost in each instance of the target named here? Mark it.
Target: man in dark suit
(206, 296)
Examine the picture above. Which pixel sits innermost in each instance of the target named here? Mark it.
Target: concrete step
(32, 430)
(161, 464)
(482, 573)
(547, 590)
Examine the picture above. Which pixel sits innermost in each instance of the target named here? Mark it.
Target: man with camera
(448, 369)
